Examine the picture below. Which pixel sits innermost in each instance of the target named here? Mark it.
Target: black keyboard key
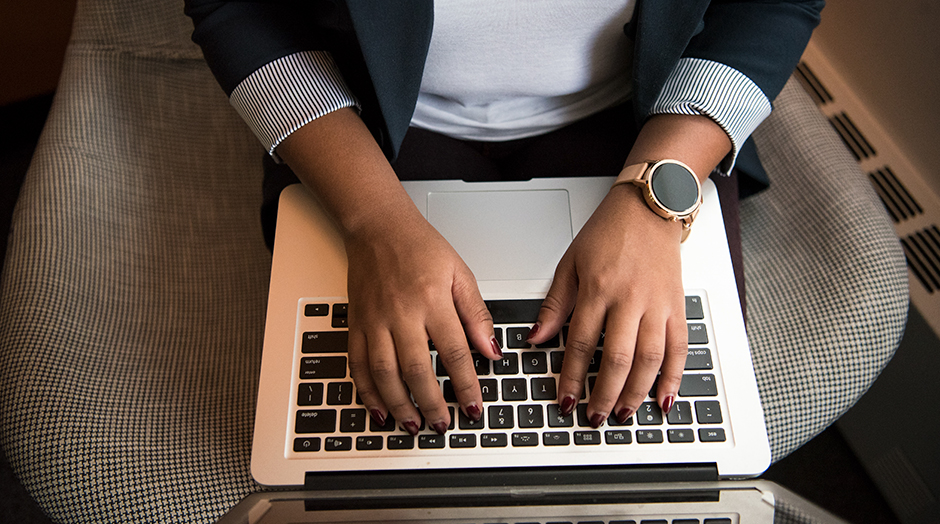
(698, 385)
(369, 443)
(531, 416)
(556, 438)
(699, 358)
(618, 436)
(556, 420)
(514, 389)
(680, 435)
(516, 337)
(316, 310)
(694, 309)
(697, 334)
(494, 440)
(340, 314)
(649, 414)
(310, 394)
(304, 444)
(514, 311)
(481, 364)
(439, 368)
(325, 342)
(716, 521)
(431, 441)
(681, 413)
(352, 421)
(583, 420)
(708, 412)
(449, 395)
(339, 393)
(649, 436)
(400, 442)
(612, 421)
(587, 438)
(466, 423)
(498, 333)
(711, 435)
(557, 358)
(389, 424)
(463, 440)
(525, 439)
(315, 421)
(535, 363)
(501, 417)
(337, 443)
(543, 388)
(322, 367)
(490, 389)
(508, 365)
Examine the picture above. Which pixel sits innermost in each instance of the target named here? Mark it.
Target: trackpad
(505, 235)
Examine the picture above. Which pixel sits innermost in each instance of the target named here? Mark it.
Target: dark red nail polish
(534, 331)
(378, 417)
(440, 427)
(667, 404)
(411, 428)
(473, 412)
(597, 420)
(495, 345)
(567, 405)
(624, 414)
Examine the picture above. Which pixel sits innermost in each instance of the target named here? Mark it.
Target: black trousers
(595, 146)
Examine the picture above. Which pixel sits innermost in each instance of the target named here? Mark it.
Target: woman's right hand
(406, 284)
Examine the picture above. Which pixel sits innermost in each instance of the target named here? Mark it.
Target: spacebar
(514, 311)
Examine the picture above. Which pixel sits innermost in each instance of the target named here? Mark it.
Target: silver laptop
(311, 431)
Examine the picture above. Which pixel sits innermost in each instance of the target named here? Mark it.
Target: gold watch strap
(638, 175)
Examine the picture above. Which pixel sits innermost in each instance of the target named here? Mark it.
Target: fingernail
(624, 414)
(534, 331)
(378, 417)
(667, 404)
(440, 427)
(567, 405)
(473, 412)
(597, 420)
(495, 344)
(411, 428)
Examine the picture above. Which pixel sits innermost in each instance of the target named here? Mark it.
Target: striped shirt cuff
(720, 92)
(285, 94)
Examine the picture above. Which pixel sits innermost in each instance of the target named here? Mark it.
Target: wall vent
(891, 174)
(899, 202)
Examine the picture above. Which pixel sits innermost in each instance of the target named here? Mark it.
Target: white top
(500, 70)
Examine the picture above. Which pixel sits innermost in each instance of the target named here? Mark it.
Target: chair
(134, 287)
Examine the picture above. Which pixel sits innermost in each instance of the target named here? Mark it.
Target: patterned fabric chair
(134, 287)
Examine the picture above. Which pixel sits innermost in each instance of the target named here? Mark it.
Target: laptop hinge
(509, 477)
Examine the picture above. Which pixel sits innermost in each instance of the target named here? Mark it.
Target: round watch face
(674, 187)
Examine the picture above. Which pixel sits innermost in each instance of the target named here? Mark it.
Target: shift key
(322, 367)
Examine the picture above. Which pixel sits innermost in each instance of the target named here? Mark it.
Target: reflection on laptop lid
(311, 430)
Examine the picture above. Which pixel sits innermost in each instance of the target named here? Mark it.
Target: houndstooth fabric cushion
(826, 279)
(133, 293)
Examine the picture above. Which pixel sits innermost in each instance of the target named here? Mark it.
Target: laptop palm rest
(523, 233)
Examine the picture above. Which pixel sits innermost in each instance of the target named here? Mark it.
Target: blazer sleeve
(272, 60)
(737, 64)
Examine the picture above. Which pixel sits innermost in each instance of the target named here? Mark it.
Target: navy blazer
(380, 47)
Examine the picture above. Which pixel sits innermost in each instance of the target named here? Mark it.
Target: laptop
(310, 430)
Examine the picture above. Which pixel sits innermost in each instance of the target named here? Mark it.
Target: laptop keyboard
(520, 410)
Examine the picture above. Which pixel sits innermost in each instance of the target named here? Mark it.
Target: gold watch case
(671, 189)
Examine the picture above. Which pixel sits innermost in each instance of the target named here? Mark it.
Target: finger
(616, 365)
(647, 360)
(454, 353)
(362, 377)
(583, 334)
(677, 349)
(476, 318)
(558, 303)
(417, 372)
(386, 374)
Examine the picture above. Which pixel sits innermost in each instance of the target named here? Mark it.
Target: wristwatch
(670, 188)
